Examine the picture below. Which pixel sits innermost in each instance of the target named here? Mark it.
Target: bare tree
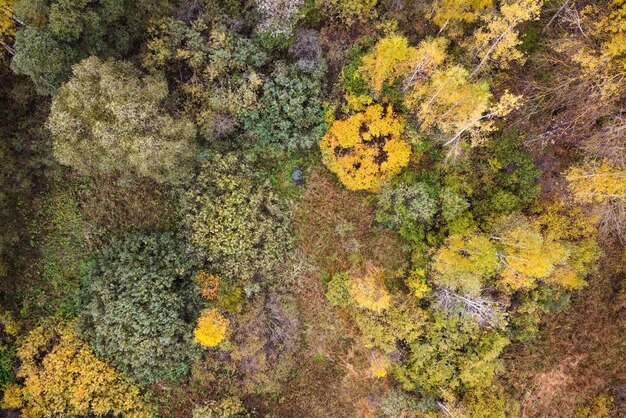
(482, 309)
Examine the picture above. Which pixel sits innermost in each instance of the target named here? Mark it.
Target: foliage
(349, 11)
(211, 329)
(367, 148)
(290, 112)
(453, 355)
(62, 376)
(489, 402)
(308, 51)
(409, 208)
(505, 176)
(40, 57)
(401, 322)
(391, 58)
(450, 101)
(7, 25)
(59, 33)
(208, 283)
(225, 408)
(446, 13)
(222, 68)
(109, 118)
(278, 17)
(600, 183)
(264, 340)
(367, 289)
(337, 292)
(140, 306)
(238, 222)
(497, 40)
(464, 263)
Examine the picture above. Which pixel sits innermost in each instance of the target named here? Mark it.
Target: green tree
(109, 117)
(452, 355)
(409, 208)
(290, 113)
(140, 307)
(219, 70)
(59, 33)
(39, 56)
(237, 221)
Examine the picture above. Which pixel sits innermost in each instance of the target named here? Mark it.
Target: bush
(241, 226)
(109, 118)
(290, 113)
(62, 377)
(408, 208)
(140, 307)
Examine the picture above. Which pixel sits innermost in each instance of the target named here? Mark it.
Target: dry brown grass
(336, 228)
(580, 353)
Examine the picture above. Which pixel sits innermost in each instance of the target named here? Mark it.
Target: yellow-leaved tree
(391, 58)
(495, 42)
(368, 290)
(603, 182)
(367, 148)
(7, 25)
(448, 14)
(211, 329)
(62, 377)
(519, 252)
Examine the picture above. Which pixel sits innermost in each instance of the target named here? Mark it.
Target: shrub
(63, 377)
(409, 208)
(338, 293)
(290, 113)
(241, 226)
(366, 149)
(211, 329)
(140, 307)
(224, 408)
(109, 118)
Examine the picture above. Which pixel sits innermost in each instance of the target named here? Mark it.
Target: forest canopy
(312, 208)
